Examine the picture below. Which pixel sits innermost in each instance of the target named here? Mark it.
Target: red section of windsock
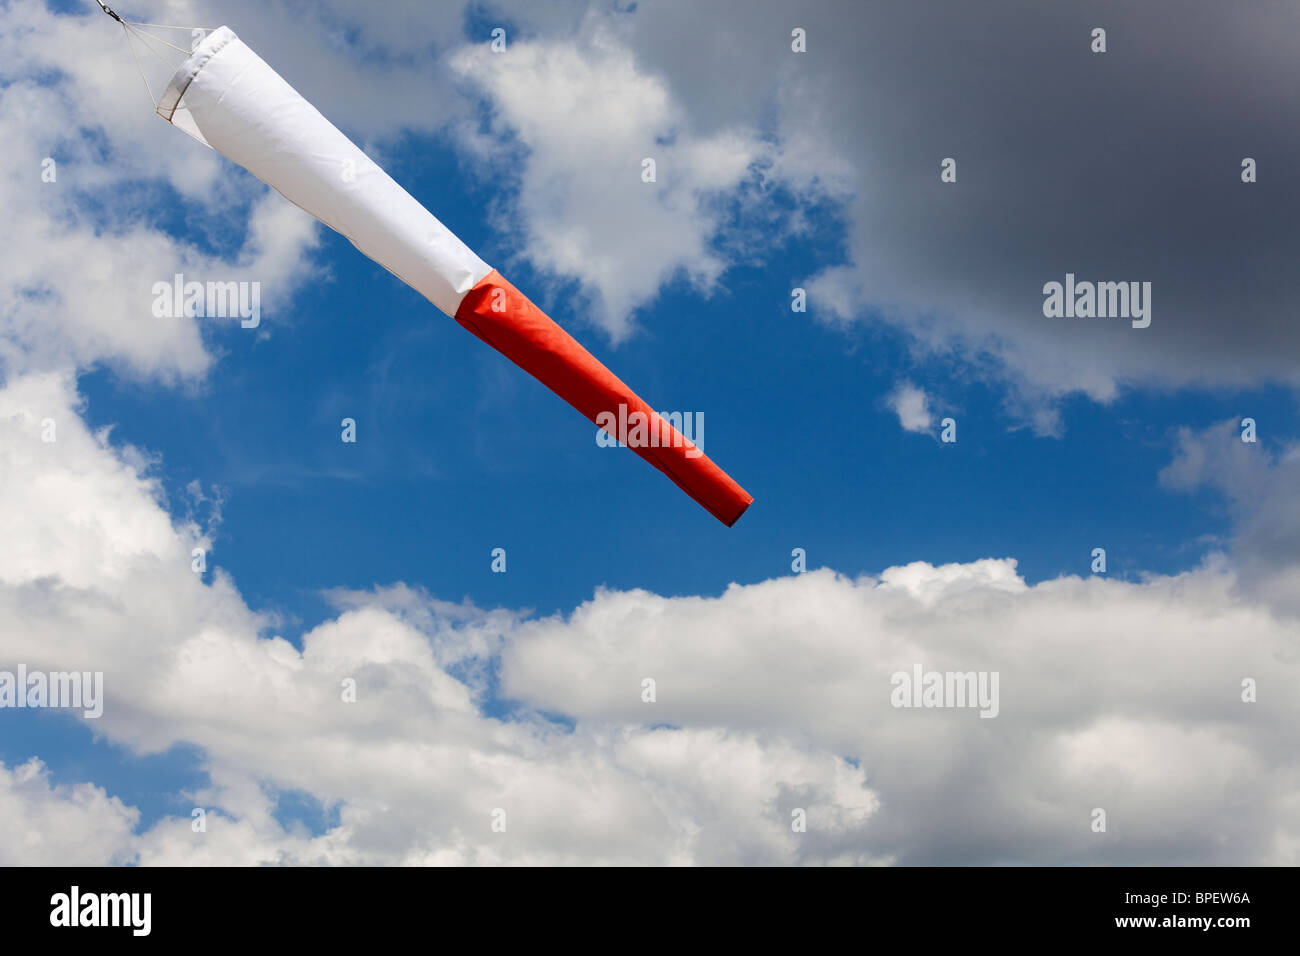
(502, 316)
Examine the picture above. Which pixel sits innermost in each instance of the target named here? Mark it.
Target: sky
(522, 691)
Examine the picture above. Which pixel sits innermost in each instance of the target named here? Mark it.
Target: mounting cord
(138, 32)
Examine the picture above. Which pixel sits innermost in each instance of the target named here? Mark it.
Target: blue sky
(459, 452)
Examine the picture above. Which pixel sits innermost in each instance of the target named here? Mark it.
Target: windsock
(227, 97)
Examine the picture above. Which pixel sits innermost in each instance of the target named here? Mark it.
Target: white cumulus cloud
(912, 406)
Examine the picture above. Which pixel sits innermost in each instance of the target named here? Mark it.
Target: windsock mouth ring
(212, 44)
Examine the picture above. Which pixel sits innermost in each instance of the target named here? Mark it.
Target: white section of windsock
(226, 96)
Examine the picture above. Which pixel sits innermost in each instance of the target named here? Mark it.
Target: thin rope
(163, 26)
(158, 56)
(131, 46)
(150, 36)
(144, 42)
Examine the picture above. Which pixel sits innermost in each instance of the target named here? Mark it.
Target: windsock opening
(171, 106)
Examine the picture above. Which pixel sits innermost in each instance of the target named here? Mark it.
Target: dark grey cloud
(1120, 166)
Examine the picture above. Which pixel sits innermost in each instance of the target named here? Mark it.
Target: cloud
(1118, 695)
(97, 577)
(912, 406)
(573, 121)
(77, 825)
(82, 250)
(959, 267)
(1260, 489)
(1115, 695)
